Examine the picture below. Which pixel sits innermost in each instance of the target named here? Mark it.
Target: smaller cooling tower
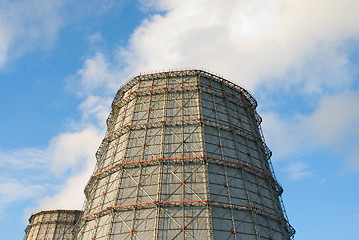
(51, 225)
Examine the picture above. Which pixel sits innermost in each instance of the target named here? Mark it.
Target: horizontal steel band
(155, 161)
(128, 127)
(164, 204)
(154, 123)
(116, 167)
(180, 122)
(196, 120)
(230, 97)
(162, 90)
(52, 222)
(226, 126)
(159, 90)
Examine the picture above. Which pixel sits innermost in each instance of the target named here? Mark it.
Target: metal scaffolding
(51, 225)
(183, 158)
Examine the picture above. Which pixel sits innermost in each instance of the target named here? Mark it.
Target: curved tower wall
(51, 225)
(183, 157)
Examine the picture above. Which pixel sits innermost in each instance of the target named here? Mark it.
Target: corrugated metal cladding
(54, 224)
(183, 158)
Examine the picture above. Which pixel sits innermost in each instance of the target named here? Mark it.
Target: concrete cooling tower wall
(183, 158)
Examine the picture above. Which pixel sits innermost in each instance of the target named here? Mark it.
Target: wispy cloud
(67, 162)
(97, 73)
(298, 171)
(13, 190)
(28, 25)
(70, 193)
(332, 126)
(26, 158)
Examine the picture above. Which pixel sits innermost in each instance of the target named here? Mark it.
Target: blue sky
(61, 62)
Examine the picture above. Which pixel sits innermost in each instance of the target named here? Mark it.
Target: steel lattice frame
(183, 158)
(51, 225)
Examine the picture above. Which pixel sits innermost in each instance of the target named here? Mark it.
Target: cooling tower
(183, 158)
(51, 225)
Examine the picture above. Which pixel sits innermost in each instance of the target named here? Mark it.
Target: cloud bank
(251, 42)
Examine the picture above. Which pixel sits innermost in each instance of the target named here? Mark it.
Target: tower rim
(185, 72)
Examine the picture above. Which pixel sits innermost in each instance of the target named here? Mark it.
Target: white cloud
(353, 158)
(95, 38)
(336, 118)
(95, 73)
(27, 24)
(72, 150)
(98, 75)
(298, 171)
(331, 127)
(70, 195)
(322, 180)
(251, 42)
(12, 190)
(23, 158)
(18, 182)
(76, 152)
(64, 166)
(96, 108)
(284, 137)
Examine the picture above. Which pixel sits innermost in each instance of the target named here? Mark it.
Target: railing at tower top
(184, 72)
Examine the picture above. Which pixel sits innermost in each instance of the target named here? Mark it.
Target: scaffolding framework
(51, 225)
(184, 157)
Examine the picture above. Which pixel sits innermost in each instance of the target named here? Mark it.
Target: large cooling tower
(52, 225)
(183, 158)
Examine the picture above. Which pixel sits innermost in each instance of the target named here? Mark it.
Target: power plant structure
(184, 157)
(53, 224)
